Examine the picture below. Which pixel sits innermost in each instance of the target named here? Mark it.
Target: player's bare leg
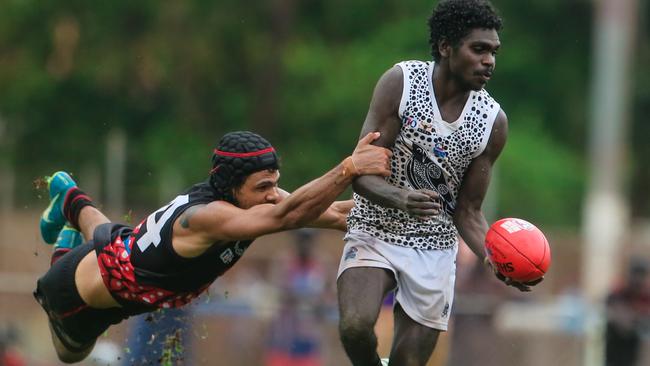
(89, 218)
(361, 291)
(88, 278)
(69, 212)
(413, 343)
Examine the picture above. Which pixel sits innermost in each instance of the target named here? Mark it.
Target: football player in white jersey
(445, 132)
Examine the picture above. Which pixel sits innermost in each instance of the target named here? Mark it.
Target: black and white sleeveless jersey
(429, 153)
(155, 260)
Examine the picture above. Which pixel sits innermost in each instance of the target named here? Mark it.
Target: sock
(74, 201)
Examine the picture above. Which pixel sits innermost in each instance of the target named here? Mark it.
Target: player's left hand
(521, 286)
(370, 159)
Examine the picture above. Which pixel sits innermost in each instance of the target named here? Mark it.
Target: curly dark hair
(452, 20)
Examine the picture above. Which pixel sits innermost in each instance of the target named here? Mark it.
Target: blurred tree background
(176, 75)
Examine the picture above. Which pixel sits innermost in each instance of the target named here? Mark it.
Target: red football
(518, 249)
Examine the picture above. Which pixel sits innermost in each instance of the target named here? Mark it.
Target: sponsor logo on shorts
(445, 311)
(227, 256)
(239, 250)
(351, 254)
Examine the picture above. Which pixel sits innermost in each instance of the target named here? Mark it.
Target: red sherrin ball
(518, 249)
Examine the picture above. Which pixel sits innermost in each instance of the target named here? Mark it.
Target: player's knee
(356, 328)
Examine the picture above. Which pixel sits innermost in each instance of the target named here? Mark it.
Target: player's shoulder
(489, 101)
(414, 64)
(390, 85)
(207, 217)
(487, 98)
(225, 208)
(411, 68)
(203, 192)
(501, 119)
(222, 207)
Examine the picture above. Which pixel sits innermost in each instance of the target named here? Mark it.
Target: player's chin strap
(521, 286)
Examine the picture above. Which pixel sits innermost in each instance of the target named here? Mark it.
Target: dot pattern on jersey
(428, 154)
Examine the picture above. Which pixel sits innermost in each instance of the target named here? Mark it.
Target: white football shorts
(425, 278)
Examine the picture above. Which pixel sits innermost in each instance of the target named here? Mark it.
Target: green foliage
(539, 179)
(177, 75)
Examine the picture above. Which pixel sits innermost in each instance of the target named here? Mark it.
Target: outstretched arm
(333, 218)
(383, 116)
(222, 221)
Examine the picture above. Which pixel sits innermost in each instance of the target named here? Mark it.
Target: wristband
(349, 168)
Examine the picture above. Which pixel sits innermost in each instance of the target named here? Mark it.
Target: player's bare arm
(383, 116)
(333, 218)
(188, 244)
(222, 221)
(468, 217)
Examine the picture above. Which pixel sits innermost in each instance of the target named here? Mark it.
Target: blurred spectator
(9, 354)
(294, 336)
(105, 353)
(159, 338)
(628, 316)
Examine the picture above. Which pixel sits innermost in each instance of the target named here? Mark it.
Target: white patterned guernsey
(429, 153)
